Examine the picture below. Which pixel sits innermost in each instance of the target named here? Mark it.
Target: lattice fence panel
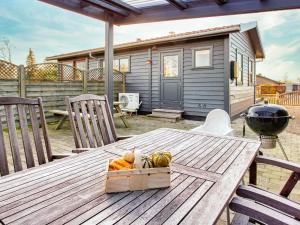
(8, 70)
(98, 75)
(53, 72)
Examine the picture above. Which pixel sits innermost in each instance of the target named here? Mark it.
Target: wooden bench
(65, 115)
(60, 113)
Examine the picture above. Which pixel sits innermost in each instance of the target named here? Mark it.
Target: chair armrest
(61, 156)
(278, 162)
(259, 212)
(80, 150)
(125, 137)
(278, 202)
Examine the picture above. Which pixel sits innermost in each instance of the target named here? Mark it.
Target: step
(165, 117)
(173, 111)
(164, 114)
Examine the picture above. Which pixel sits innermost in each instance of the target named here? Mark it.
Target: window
(80, 64)
(171, 66)
(202, 57)
(251, 72)
(95, 64)
(240, 68)
(122, 65)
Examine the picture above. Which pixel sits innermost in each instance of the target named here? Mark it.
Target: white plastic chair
(217, 122)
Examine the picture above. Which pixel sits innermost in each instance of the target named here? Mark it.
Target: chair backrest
(217, 122)
(91, 121)
(23, 113)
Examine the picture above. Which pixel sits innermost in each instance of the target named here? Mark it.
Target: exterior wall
(241, 96)
(203, 89)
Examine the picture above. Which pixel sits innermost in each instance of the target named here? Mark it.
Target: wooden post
(108, 58)
(85, 77)
(22, 80)
(253, 173)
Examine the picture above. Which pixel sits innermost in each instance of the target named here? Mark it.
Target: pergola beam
(199, 9)
(108, 7)
(78, 8)
(124, 5)
(221, 2)
(178, 4)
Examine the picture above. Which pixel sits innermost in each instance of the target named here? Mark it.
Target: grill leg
(282, 149)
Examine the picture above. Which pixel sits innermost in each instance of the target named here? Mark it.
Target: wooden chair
(27, 110)
(91, 122)
(263, 206)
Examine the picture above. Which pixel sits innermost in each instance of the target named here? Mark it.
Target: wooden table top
(206, 170)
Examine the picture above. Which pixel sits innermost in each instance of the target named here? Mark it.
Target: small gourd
(120, 164)
(129, 156)
(161, 159)
(147, 162)
(142, 161)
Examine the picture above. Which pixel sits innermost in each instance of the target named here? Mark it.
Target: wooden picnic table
(65, 115)
(206, 170)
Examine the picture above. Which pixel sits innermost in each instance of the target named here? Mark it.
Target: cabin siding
(241, 96)
(201, 87)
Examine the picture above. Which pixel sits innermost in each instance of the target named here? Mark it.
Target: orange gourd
(120, 164)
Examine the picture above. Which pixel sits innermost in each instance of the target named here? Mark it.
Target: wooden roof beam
(124, 5)
(107, 7)
(178, 4)
(221, 2)
(78, 8)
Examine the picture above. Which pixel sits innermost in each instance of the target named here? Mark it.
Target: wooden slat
(4, 170)
(102, 125)
(25, 136)
(106, 121)
(72, 123)
(80, 125)
(97, 133)
(45, 130)
(110, 118)
(11, 125)
(36, 135)
(87, 124)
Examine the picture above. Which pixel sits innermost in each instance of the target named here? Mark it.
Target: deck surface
(206, 170)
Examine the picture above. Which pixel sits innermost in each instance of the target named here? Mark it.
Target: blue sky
(49, 30)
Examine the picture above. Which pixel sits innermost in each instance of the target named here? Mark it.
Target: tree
(30, 58)
(30, 62)
(5, 50)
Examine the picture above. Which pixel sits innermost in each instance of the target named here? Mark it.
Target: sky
(49, 30)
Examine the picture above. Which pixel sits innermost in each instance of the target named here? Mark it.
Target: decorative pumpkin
(142, 161)
(161, 159)
(120, 164)
(129, 156)
(146, 162)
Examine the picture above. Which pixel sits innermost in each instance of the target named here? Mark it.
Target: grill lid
(267, 111)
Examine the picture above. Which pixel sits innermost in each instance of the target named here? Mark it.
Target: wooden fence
(53, 82)
(286, 99)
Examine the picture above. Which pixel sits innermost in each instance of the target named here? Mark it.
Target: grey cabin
(192, 71)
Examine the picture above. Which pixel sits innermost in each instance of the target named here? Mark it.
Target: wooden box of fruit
(135, 171)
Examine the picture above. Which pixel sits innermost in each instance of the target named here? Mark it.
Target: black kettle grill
(267, 120)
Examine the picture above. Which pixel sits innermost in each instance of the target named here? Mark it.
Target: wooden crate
(136, 179)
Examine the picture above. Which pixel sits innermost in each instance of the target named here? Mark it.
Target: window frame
(250, 71)
(194, 50)
(178, 66)
(123, 57)
(240, 70)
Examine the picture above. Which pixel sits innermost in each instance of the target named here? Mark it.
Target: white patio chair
(217, 122)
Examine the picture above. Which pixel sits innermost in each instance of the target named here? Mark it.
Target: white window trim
(124, 57)
(210, 48)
